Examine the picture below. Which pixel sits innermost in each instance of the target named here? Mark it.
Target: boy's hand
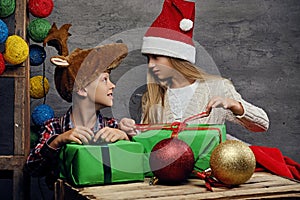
(128, 125)
(110, 135)
(79, 134)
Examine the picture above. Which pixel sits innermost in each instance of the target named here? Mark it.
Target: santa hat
(271, 159)
(171, 34)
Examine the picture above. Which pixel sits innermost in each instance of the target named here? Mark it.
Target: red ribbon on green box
(202, 138)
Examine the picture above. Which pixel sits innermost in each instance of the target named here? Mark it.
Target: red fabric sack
(271, 159)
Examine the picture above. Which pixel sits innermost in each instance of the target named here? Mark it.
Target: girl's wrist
(237, 109)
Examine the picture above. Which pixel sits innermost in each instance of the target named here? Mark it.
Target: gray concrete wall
(255, 43)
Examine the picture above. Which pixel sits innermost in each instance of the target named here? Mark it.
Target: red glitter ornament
(171, 161)
(2, 64)
(40, 8)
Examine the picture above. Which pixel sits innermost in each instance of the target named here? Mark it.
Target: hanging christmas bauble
(40, 8)
(171, 161)
(7, 7)
(38, 29)
(3, 32)
(33, 138)
(42, 113)
(2, 64)
(16, 50)
(232, 162)
(37, 54)
(39, 87)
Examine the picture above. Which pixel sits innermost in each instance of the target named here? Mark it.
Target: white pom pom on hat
(186, 24)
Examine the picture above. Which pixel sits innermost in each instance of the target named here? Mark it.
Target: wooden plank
(21, 17)
(21, 22)
(21, 87)
(261, 185)
(22, 108)
(59, 194)
(21, 74)
(19, 122)
(26, 82)
(18, 184)
(14, 71)
(12, 162)
(192, 193)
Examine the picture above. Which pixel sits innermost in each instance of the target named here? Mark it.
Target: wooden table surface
(261, 185)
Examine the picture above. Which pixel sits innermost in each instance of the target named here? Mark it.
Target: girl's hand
(110, 135)
(80, 135)
(128, 125)
(227, 103)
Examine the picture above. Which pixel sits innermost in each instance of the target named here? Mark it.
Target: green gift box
(202, 138)
(117, 162)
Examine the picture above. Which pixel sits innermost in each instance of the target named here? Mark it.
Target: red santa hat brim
(169, 43)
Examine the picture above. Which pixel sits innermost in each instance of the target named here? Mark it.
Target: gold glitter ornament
(39, 87)
(232, 162)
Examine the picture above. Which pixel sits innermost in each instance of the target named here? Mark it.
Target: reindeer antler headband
(82, 66)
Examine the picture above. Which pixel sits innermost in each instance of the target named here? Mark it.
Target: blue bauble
(41, 113)
(3, 32)
(37, 54)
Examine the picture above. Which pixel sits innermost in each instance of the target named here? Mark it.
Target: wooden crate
(19, 75)
(262, 185)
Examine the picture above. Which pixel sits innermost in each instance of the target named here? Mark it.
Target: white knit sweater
(254, 118)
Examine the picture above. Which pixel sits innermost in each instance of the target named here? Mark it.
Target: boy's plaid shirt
(43, 159)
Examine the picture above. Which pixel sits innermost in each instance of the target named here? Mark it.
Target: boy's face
(101, 90)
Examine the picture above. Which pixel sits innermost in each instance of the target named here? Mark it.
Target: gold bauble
(16, 50)
(232, 162)
(39, 87)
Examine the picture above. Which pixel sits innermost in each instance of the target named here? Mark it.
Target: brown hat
(83, 66)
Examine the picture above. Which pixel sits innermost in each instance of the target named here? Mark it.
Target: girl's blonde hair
(156, 91)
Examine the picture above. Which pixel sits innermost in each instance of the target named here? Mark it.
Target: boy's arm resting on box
(78, 134)
(108, 134)
(43, 157)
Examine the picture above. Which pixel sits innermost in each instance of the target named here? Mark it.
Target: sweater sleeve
(254, 118)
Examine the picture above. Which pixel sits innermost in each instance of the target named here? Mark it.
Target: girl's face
(100, 90)
(160, 67)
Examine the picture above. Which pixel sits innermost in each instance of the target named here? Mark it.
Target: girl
(176, 88)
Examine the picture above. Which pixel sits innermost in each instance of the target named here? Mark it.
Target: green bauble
(38, 29)
(7, 7)
(33, 138)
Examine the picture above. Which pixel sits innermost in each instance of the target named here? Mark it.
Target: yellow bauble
(39, 87)
(16, 50)
(232, 162)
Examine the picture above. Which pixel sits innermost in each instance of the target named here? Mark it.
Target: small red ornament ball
(171, 161)
(40, 8)
(2, 64)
